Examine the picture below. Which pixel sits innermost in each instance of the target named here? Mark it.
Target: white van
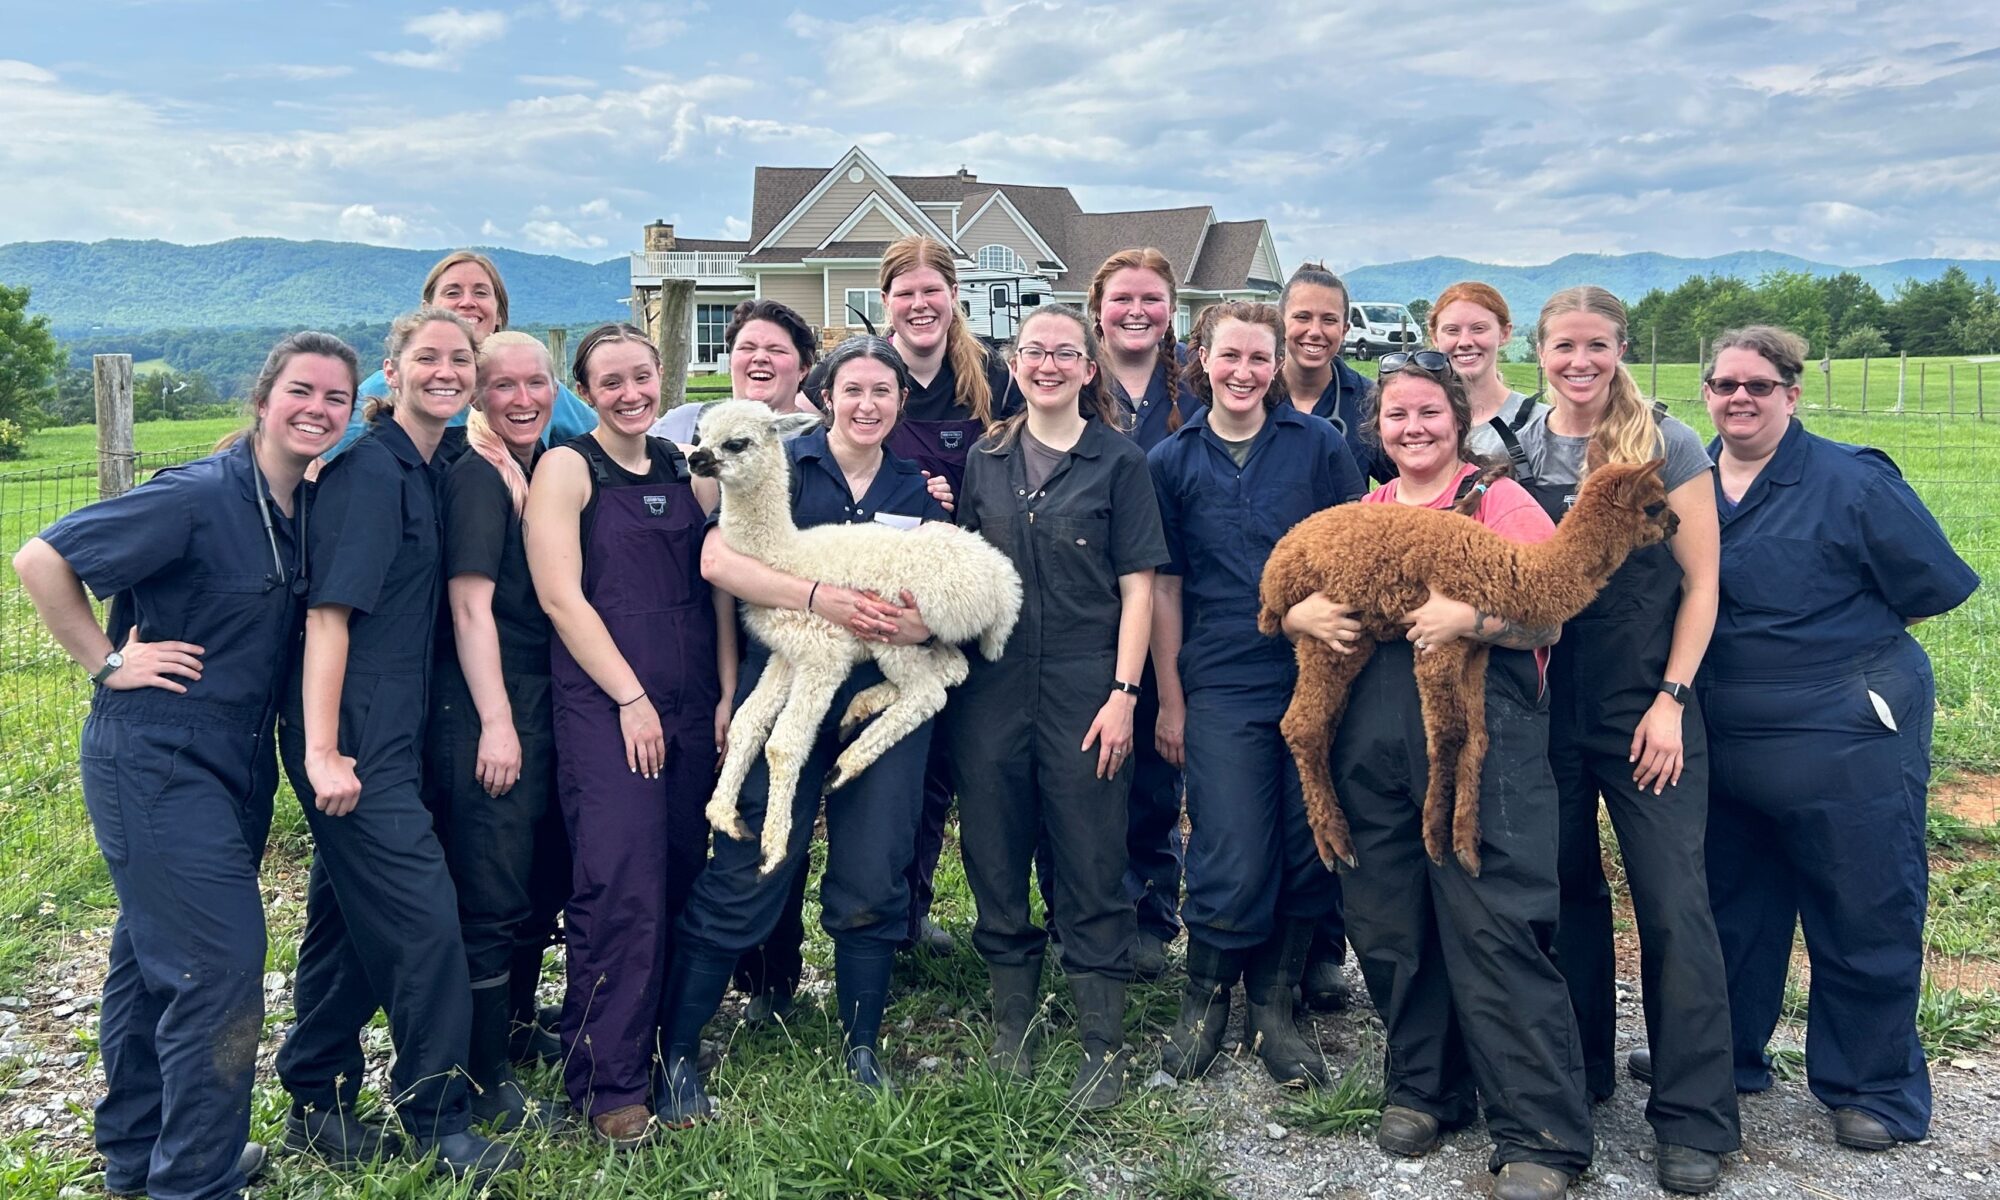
(1374, 328)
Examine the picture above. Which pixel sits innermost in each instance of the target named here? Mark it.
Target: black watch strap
(1130, 689)
(1679, 691)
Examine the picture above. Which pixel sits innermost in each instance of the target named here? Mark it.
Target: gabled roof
(1094, 237)
(776, 191)
(1226, 255)
(719, 244)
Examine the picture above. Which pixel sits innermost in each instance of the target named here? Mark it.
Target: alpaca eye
(1656, 508)
(736, 445)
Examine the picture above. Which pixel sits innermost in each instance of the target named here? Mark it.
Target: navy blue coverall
(179, 790)
(381, 912)
(1819, 731)
(1251, 863)
(871, 824)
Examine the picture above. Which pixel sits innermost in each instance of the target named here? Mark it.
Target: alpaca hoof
(1332, 854)
(1469, 861)
(726, 821)
(835, 780)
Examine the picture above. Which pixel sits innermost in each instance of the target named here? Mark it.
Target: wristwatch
(112, 662)
(1678, 691)
(1129, 689)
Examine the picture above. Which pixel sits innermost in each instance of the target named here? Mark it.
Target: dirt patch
(1972, 798)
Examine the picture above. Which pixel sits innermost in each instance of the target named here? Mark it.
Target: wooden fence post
(111, 378)
(1864, 383)
(671, 335)
(559, 352)
(1902, 379)
(1655, 393)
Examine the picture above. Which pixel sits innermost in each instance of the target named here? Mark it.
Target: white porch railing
(702, 266)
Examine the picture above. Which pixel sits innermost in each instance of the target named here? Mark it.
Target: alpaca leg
(866, 703)
(1471, 760)
(792, 735)
(920, 675)
(1326, 678)
(748, 727)
(1439, 672)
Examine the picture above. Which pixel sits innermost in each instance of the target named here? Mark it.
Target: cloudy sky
(1848, 132)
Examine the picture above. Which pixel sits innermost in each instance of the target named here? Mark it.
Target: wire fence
(48, 862)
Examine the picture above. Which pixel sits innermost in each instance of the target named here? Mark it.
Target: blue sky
(1847, 132)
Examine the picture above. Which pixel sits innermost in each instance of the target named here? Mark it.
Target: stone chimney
(659, 237)
(965, 176)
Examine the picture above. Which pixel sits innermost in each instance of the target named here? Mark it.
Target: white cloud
(13, 70)
(735, 228)
(554, 235)
(566, 82)
(363, 223)
(451, 34)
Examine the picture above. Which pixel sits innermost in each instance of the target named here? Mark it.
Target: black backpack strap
(1516, 453)
(1526, 413)
(1659, 408)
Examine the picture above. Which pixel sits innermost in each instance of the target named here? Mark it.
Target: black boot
(861, 988)
(1268, 980)
(1100, 1024)
(1196, 1037)
(1016, 1030)
(469, 1156)
(532, 1039)
(338, 1138)
(695, 985)
(497, 1097)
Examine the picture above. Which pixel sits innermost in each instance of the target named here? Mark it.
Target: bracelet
(811, 595)
(633, 700)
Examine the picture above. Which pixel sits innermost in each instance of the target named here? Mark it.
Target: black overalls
(1015, 728)
(1603, 676)
(179, 791)
(381, 911)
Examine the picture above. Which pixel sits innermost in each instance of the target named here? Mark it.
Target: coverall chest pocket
(230, 607)
(1777, 574)
(1076, 554)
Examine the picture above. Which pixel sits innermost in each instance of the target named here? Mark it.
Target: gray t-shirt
(1041, 460)
(1487, 443)
(1559, 459)
(1239, 452)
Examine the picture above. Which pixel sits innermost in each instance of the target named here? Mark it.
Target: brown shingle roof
(776, 191)
(720, 244)
(798, 254)
(1226, 255)
(1093, 237)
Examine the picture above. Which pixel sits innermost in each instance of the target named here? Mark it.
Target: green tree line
(1841, 316)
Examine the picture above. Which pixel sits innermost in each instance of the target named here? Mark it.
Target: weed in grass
(1788, 1063)
(1964, 917)
(1949, 833)
(1190, 1173)
(1353, 1104)
(1949, 1019)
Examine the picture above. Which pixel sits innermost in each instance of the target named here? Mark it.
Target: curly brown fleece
(1385, 559)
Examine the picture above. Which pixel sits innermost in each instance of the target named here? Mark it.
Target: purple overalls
(637, 842)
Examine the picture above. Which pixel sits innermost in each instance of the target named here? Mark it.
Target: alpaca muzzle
(704, 463)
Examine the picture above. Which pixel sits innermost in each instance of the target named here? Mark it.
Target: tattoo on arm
(1496, 630)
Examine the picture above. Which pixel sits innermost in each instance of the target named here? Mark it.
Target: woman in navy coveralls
(840, 473)
(1230, 483)
(381, 912)
(1819, 715)
(205, 567)
(639, 667)
(957, 391)
(1131, 305)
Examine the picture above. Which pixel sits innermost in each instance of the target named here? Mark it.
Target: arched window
(996, 257)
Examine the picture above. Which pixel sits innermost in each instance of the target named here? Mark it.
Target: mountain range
(121, 286)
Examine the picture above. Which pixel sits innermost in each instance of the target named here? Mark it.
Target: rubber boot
(1268, 979)
(532, 1041)
(861, 987)
(1100, 1025)
(1196, 1037)
(1016, 1031)
(469, 1156)
(695, 985)
(497, 1098)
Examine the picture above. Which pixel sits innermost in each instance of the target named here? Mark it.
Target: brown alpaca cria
(1385, 560)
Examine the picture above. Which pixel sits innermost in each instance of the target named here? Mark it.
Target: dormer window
(995, 257)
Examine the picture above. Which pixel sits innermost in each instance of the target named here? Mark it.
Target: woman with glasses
(1230, 482)
(1461, 969)
(1819, 710)
(1042, 739)
(205, 565)
(1624, 725)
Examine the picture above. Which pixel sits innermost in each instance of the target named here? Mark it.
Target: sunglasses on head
(1423, 360)
(1759, 388)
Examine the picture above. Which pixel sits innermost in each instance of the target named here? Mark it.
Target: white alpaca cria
(965, 589)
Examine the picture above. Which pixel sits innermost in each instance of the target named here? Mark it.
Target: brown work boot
(1530, 1181)
(626, 1127)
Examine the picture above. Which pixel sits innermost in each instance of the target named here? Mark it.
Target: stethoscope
(298, 578)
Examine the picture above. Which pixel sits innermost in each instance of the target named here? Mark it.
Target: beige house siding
(802, 292)
(836, 206)
(837, 283)
(1261, 264)
(997, 226)
(873, 228)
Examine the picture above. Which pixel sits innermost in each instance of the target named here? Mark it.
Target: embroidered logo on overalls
(657, 505)
(951, 439)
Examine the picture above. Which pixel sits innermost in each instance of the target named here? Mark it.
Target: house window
(710, 322)
(865, 300)
(1001, 258)
(1183, 321)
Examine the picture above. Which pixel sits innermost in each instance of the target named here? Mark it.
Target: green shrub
(1863, 341)
(13, 440)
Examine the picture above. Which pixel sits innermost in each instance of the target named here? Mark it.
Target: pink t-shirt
(1507, 509)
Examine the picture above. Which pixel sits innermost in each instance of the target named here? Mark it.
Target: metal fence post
(1902, 379)
(1864, 383)
(111, 379)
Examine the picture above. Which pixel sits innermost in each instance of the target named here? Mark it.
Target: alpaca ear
(1650, 469)
(791, 425)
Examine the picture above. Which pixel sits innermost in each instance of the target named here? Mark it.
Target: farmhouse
(817, 236)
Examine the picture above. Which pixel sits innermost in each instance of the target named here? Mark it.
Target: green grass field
(791, 1126)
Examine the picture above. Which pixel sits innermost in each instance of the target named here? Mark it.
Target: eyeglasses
(1065, 356)
(1759, 388)
(1422, 360)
